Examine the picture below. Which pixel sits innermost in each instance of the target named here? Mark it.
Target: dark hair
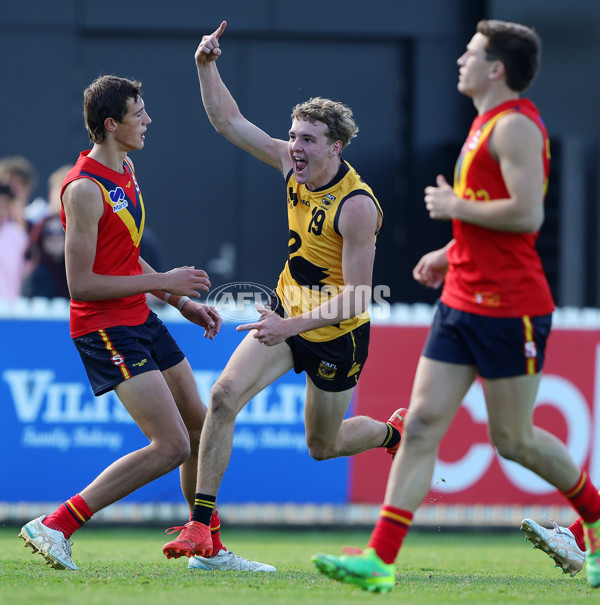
(335, 115)
(106, 97)
(517, 46)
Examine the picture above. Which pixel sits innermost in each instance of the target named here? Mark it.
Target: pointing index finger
(246, 327)
(220, 29)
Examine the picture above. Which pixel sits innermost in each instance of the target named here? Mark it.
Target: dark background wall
(393, 62)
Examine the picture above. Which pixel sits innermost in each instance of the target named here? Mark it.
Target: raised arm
(224, 114)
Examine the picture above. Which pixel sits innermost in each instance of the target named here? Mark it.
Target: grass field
(126, 566)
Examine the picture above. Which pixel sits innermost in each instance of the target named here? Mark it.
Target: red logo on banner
(468, 470)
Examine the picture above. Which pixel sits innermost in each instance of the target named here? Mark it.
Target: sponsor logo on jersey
(118, 199)
(474, 140)
(327, 200)
(487, 299)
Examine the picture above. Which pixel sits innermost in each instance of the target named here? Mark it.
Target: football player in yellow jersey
(334, 218)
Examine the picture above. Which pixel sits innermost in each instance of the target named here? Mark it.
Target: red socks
(69, 516)
(577, 530)
(215, 532)
(389, 533)
(584, 498)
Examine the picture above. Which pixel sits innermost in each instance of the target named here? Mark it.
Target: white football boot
(226, 560)
(558, 543)
(50, 543)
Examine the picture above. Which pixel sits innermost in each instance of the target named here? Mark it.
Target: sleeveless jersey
(313, 271)
(491, 272)
(118, 247)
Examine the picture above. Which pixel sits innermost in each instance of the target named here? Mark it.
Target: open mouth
(300, 165)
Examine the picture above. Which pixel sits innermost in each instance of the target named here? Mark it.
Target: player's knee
(318, 450)
(223, 402)
(420, 431)
(175, 452)
(510, 447)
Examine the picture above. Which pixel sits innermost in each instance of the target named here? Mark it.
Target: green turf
(126, 566)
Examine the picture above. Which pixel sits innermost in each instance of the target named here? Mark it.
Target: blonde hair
(335, 115)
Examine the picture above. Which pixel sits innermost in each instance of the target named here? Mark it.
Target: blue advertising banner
(56, 436)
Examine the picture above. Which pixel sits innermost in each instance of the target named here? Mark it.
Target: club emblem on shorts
(117, 359)
(530, 350)
(327, 370)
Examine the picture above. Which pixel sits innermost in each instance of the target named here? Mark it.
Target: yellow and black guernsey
(313, 271)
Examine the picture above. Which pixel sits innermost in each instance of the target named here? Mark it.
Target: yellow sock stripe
(206, 503)
(575, 491)
(396, 517)
(77, 513)
(389, 435)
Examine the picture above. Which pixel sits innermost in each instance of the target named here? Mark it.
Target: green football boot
(366, 570)
(591, 532)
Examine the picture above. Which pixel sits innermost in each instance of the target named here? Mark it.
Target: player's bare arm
(358, 224)
(223, 111)
(84, 206)
(517, 144)
(200, 314)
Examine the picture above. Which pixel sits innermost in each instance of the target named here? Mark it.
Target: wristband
(166, 296)
(182, 302)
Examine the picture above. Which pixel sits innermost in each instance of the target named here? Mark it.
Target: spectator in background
(46, 274)
(18, 172)
(13, 242)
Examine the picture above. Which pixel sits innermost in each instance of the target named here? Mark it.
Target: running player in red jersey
(495, 311)
(123, 344)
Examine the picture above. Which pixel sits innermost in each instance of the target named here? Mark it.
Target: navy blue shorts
(498, 347)
(333, 365)
(115, 354)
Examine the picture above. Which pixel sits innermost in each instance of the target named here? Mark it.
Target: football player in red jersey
(123, 344)
(495, 311)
